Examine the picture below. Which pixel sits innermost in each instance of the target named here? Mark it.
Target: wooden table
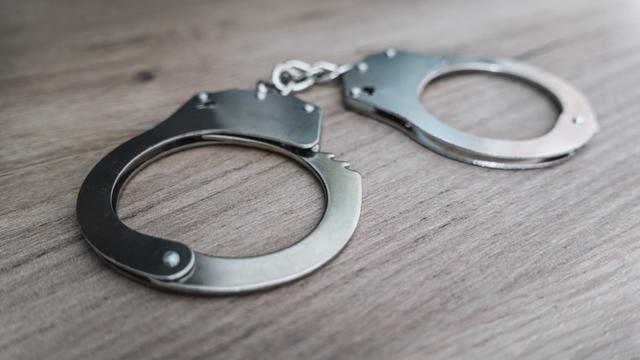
(448, 261)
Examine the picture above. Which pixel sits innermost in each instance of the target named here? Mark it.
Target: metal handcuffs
(387, 86)
(266, 120)
(384, 86)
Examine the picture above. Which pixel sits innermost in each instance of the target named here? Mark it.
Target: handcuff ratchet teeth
(263, 119)
(387, 86)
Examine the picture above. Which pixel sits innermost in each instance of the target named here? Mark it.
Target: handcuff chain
(297, 75)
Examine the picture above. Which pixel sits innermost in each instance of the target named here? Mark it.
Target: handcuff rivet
(203, 97)
(363, 67)
(261, 93)
(390, 52)
(355, 91)
(171, 258)
(308, 108)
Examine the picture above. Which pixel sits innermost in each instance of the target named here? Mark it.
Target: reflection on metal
(283, 124)
(389, 85)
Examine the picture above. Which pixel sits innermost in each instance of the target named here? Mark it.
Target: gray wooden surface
(448, 261)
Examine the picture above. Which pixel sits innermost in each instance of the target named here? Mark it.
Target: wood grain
(448, 261)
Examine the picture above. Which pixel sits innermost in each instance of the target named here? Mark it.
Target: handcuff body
(270, 121)
(386, 86)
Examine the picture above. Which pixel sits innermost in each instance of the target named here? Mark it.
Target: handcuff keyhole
(369, 90)
(357, 91)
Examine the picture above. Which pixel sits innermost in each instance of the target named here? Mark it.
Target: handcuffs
(270, 121)
(384, 86)
(387, 85)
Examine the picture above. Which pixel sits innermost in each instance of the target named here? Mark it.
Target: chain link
(296, 75)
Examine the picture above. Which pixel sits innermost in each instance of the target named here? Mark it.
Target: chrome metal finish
(283, 124)
(389, 91)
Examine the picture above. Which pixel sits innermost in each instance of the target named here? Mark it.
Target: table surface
(448, 261)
